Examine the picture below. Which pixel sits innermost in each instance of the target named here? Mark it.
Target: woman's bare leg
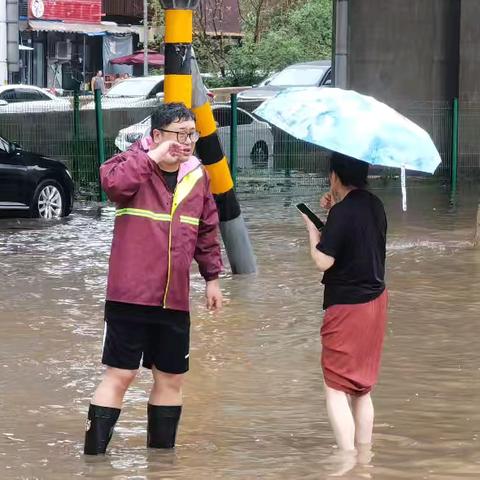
(341, 418)
(363, 415)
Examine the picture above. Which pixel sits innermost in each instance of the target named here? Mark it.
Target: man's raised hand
(166, 151)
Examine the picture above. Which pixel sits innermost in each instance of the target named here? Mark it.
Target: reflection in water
(254, 405)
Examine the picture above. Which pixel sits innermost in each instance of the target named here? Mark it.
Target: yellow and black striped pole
(180, 88)
(209, 149)
(178, 50)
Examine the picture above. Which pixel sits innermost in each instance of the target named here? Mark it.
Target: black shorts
(164, 344)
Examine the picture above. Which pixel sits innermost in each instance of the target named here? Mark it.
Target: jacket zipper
(172, 212)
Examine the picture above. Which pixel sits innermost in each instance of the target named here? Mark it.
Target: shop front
(66, 42)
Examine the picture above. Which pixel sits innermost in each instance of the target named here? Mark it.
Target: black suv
(33, 184)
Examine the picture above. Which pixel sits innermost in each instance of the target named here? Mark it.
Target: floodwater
(254, 406)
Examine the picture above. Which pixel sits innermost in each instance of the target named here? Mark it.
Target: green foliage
(300, 33)
(277, 34)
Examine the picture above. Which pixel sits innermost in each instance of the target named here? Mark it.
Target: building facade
(65, 42)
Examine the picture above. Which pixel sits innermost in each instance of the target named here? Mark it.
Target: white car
(306, 74)
(136, 92)
(255, 139)
(30, 99)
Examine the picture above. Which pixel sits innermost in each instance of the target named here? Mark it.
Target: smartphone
(313, 218)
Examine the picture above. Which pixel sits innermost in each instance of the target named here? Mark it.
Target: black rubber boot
(99, 428)
(162, 426)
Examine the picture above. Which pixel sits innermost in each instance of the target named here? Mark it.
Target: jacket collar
(186, 167)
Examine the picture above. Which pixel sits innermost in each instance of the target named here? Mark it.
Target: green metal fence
(469, 138)
(296, 164)
(66, 130)
(268, 160)
(437, 119)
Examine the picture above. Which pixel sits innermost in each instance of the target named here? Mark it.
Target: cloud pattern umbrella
(353, 124)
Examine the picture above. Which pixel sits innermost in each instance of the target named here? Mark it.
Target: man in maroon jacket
(165, 218)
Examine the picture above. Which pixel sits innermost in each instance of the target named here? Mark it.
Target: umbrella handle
(403, 181)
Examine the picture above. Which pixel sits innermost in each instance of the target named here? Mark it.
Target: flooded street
(254, 405)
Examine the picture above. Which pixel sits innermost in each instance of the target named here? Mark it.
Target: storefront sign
(81, 11)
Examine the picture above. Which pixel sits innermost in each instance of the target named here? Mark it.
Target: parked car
(309, 74)
(255, 139)
(29, 98)
(133, 91)
(266, 80)
(136, 92)
(33, 184)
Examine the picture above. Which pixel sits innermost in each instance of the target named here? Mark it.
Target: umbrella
(155, 59)
(353, 124)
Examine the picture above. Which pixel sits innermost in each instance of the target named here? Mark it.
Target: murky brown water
(254, 406)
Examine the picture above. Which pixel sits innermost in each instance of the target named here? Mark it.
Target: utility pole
(183, 83)
(178, 50)
(13, 56)
(145, 38)
(3, 43)
(341, 43)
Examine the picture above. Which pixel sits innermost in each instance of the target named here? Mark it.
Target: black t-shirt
(355, 235)
(171, 179)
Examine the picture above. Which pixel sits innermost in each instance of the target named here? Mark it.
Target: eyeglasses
(182, 136)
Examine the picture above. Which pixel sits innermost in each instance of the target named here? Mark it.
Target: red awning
(155, 59)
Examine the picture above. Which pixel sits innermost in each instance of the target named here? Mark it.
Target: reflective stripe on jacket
(158, 233)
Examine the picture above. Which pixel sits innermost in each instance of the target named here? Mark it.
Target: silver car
(136, 92)
(309, 74)
(255, 139)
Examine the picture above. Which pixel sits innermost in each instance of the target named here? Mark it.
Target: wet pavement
(254, 406)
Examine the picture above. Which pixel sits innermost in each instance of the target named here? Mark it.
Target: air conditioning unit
(63, 51)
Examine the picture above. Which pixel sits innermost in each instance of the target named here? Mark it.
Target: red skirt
(352, 342)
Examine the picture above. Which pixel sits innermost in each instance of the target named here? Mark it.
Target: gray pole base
(238, 246)
(476, 240)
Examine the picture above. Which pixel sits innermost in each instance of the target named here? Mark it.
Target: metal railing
(268, 160)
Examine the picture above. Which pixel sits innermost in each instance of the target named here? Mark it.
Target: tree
(277, 33)
(295, 32)
(255, 12)
(215, 21)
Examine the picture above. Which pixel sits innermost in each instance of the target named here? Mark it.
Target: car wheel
(259, 155)
(49, 201)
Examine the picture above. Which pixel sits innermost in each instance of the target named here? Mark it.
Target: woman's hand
(327, 201)
(323, 262)
(313, 231)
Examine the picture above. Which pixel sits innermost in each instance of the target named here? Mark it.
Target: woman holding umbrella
(351, 247)
(351, 251)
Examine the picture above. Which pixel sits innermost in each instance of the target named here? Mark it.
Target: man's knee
(120, 379)
(168, 381)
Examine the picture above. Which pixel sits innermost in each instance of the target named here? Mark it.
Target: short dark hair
(168, 113)
(350, 171)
